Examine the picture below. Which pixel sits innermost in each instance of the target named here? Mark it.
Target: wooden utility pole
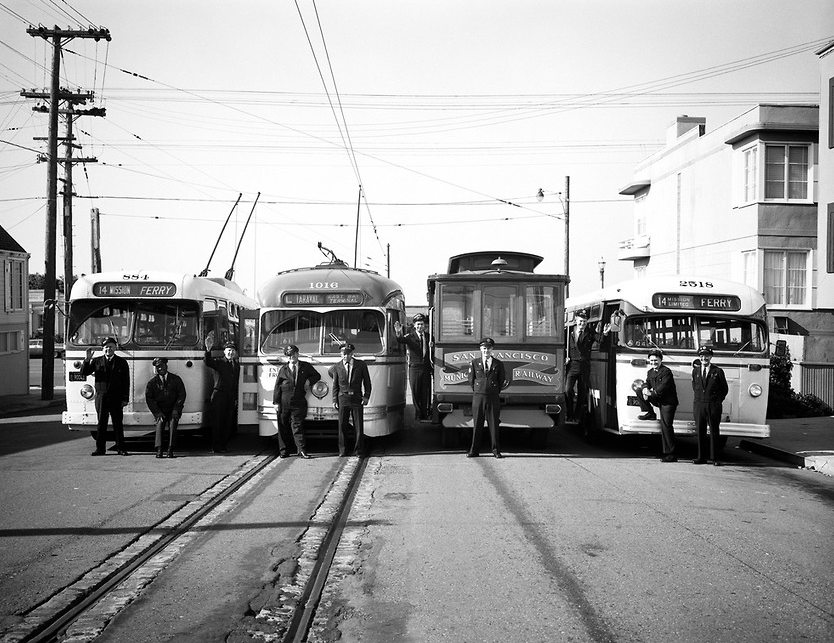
(58, 37)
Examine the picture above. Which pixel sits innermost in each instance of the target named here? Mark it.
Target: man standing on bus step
(351, 394)
(165, 397)
(659, 390)
(580, 340)
(487, 377)
(112, 376)
(419, 364)
(709, 385)
(224, 394)
(290, 400)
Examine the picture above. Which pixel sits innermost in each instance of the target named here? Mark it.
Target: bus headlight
(320, 389)
(755, 390)
(636, 385)
(88, 392)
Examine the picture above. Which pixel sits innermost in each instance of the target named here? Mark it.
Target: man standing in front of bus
(165, 397)
(709, 385)
(419, 363)
(659, 390)
(290, 400)
(112, 375)
(351, 394)
(487, 377)
(224, 394)
(578, 365)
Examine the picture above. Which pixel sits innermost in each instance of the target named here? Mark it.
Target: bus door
(608, 352)
(250, 395)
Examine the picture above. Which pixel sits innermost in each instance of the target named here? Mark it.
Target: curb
(773, 453)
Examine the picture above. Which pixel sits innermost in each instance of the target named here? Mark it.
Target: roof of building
(8, 243)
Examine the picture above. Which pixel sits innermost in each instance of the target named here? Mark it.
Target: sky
(450, 115)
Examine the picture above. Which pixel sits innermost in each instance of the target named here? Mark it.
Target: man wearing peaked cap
(222, 407)
(580, 341)
(486, 377)
(351, 393)
(290, 399)
(112, 382)
(709, 385)
(165, 397)
(419, 344)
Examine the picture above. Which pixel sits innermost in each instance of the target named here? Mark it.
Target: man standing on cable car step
(350, 379)
(419, 364)
(112, 376)
(224, 394)
(290, 399)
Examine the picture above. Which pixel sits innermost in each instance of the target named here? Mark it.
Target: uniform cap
(580, 314)
(289, 350)
(656, 352)
(488, 342)
(229, 345)
(347, 348)
(160, 360)
(705, 350)
(109, 340)
(418, 317)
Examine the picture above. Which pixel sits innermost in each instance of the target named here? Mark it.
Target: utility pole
(95, 241)
(58, 37)
(567, 233)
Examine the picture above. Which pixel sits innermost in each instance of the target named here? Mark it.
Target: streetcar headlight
(320, 389)
(88, 392)
(755, 390)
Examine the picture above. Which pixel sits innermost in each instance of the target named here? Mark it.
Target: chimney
(682, 125)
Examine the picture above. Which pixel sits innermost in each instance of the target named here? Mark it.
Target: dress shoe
(171, 454)
(496, 454)
(668, 458)
(472, 454)
(159, 453)
(123, 452)
(699, 461)
(305, 455)
(283, 455)
(647, 416)
(98, 453)
(716, 463)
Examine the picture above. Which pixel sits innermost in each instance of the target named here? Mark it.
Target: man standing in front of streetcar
(289, 398)
(419, 363)
(709, 385)
(659, 390)
(578, 365)
(112, 375)
(351, 393)
(224, 394)
(486, 377)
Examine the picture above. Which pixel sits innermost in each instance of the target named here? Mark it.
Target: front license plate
(632, 401)
(76, 377)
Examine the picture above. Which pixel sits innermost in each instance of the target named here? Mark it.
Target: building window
(751, 171)
(11, 341)
(750, 268)
(786, 171)
(786, 277)
(14, 285)
(829, 267)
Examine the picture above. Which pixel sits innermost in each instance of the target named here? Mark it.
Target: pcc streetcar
(150, 314)
(678, 315)
(318, 309)
(498, 295)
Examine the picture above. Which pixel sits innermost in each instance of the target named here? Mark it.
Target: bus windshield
(146, 323)
(689, 332)
(322, 333)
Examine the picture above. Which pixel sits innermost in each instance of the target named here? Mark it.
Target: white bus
(678, 315)
(150, 314)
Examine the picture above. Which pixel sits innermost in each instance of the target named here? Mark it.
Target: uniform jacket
(713, 389)
(360, 380)
(580, 349)
(661, 382)
(416, 358)
(113, 381)
(292, 393)
(226, 372)
(487, 382)
(165, 400)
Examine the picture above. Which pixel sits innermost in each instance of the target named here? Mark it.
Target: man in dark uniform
(112, 376)
(419, 364)
(350, 379)
(659, 390)
(578, 365)
(290, 400)
(709, 385)
(165, 397)
(224, 393)
(487, 377)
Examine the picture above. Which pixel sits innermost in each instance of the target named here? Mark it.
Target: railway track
(65, 616)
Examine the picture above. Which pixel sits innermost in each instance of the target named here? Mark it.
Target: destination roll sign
(679, 301)
(352, 298)
(134, 289)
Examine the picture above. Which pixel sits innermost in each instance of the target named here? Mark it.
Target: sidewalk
(804, 442)
(15, 405)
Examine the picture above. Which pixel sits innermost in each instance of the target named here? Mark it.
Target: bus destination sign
(350, 298)
(680, 301)
(145, 289)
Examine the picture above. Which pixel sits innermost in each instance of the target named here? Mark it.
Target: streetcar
(498, 295)
(150, 314)
(677, 315)
(319, 309)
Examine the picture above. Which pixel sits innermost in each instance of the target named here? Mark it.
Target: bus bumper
(729, 429)
(510, 419)
(84, 421)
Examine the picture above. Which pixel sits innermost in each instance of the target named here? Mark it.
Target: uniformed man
(486, 377)
(419, 344)
(165, 397)
(112, 376)
(709, 385)
(224, 393)
(290, 399)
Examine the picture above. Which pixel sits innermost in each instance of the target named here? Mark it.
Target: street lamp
(566, 213)
(602, 272)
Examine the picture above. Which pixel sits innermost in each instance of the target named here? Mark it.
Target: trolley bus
(150, 314)
(678, 315)
(318, 309)
(498, 295)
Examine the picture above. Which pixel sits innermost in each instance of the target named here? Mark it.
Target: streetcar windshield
(322, 333)
(146, 323)
(688, 332)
